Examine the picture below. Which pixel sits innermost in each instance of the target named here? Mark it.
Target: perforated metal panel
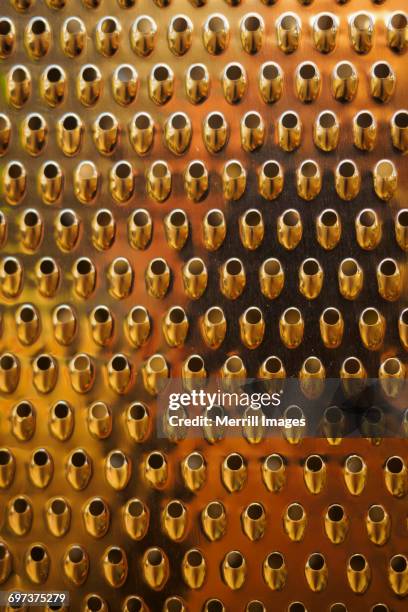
(70, 374)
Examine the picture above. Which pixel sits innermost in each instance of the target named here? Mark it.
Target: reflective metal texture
(188, 190)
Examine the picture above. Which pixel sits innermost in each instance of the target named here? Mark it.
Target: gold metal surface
(189, 190)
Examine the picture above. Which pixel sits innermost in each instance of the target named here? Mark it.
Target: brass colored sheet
(375, 456)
